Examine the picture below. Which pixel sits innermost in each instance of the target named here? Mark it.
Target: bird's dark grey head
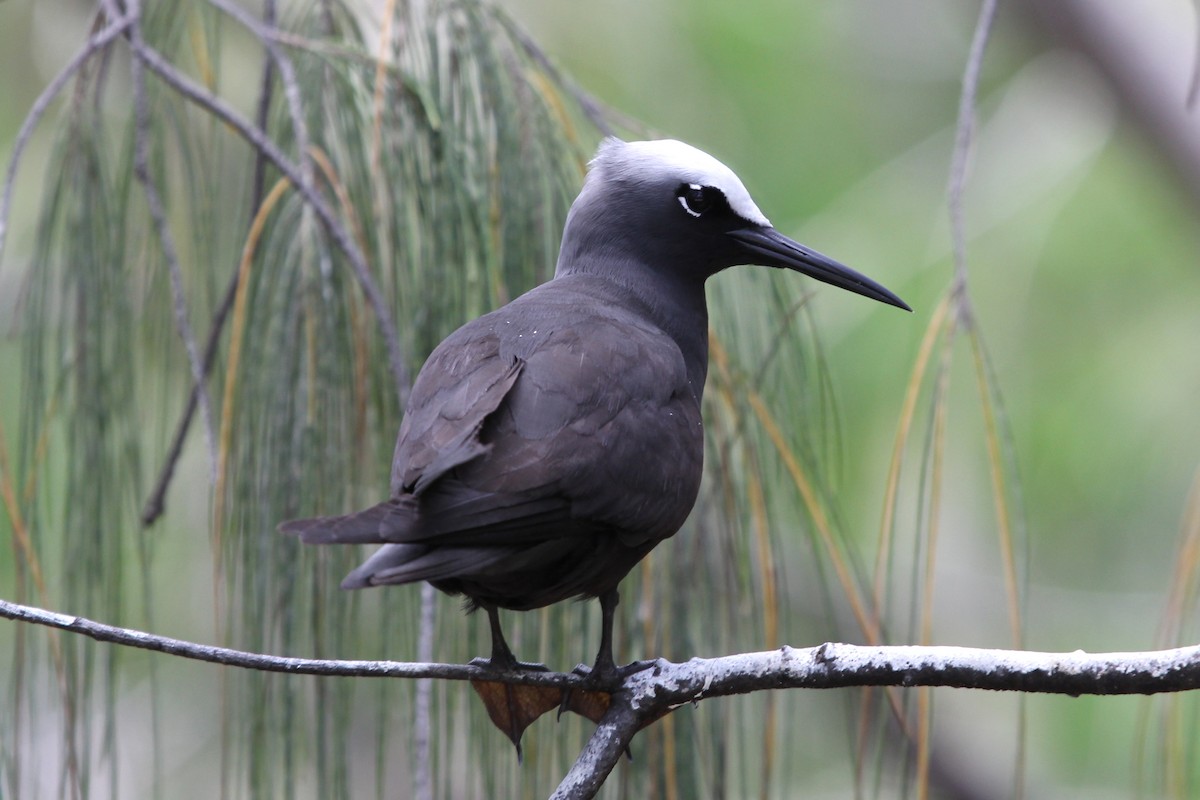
(665, 209)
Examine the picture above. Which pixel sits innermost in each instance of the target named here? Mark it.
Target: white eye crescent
(694, 198)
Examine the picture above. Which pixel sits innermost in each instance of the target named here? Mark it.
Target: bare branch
(1139, 60)
(647, 695)
(667, 685)
(601, 753)
(129, 637)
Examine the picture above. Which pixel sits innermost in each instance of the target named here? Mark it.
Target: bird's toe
(609, 677)
(507, 665)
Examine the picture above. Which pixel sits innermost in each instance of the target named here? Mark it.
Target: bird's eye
(694, 198)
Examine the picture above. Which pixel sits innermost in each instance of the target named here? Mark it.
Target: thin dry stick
(287, 76)
(964, 316)
(993, 425)
(265, 32)
(94, 43)
(141, 169)
(129, 637)
(964, 133)
(265, 92)
(156, 502)
(341, 238)
(907, 414)
(597, 113)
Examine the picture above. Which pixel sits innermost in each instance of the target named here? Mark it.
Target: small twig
(596, 112)
(94, 43)
(141, 168)
(963, 136)
(287, 76)
(262, 117)
(337, 232)
(129, 637)
(156, 501)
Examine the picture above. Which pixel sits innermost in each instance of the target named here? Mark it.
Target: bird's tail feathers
(380, 523)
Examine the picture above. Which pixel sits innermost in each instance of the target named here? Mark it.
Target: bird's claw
(609, 677)
(507, 665)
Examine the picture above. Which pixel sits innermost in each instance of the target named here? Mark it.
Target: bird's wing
(464, 381)
(603, 417)
(530, 425)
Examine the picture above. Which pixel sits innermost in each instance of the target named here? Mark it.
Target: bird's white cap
(636, 161)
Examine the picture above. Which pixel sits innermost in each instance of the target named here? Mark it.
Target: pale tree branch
(645, 696)
(1150, 71)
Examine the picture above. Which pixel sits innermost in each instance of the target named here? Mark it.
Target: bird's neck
(675, 304)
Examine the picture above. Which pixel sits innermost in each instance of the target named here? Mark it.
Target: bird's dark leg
(511, 708)
(502, 659)
(605, 667)
(605, 675)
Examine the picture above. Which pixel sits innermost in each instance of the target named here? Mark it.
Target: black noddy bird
(549, 445)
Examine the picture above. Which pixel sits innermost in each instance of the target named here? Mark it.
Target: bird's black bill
(770, 248)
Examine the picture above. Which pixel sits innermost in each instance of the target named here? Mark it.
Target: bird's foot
(599, 684)
(608, 677)
(509, 664)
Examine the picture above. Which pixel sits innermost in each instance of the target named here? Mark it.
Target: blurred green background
(1084, 274)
